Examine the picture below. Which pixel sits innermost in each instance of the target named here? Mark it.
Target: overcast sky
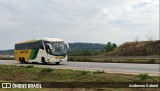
(96, 21)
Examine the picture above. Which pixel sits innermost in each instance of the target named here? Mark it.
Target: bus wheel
(57, 62)
(23, 60)
(43, 61)
(20, 60)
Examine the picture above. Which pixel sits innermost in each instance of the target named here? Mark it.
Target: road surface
(125, 68)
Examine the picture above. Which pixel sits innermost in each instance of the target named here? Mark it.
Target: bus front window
(57, 48)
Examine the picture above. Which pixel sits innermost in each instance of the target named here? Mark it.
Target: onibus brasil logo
(21, 85)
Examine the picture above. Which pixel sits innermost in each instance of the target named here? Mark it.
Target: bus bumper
(52, 60)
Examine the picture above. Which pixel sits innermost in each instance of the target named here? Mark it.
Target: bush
(29, 66)
(85, 60)
(4, 58)
(84, 72)
(46, 70)
(98, 72)
(71, 59)
(130, 60)
(151, 61)
(77, 59)
(143, 76)
(108, 60)
(90, 60)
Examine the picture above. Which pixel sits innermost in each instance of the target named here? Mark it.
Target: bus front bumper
(57, 59)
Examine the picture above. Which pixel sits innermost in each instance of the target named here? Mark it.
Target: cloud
(78, 20)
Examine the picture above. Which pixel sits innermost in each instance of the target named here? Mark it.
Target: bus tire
(43, 61)
(57, 63)
(20, 60)
(23, 60)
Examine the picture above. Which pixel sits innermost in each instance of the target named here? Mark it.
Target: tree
(114, 45)
(110, 47)
(150, 38)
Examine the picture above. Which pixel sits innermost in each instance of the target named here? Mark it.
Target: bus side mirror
(67, 45)
(50, 46)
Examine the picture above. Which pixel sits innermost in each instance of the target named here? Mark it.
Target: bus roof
(52, 39)
(44, 39)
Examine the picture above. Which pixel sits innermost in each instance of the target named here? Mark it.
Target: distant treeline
(7, 52)
(85, 46)
(85, 49)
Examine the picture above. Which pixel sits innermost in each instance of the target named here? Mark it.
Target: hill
(141, 48)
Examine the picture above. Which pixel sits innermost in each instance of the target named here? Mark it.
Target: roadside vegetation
(116, 59)
(6, 58)
(31, 74)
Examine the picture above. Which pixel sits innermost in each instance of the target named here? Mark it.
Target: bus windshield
(57, 48)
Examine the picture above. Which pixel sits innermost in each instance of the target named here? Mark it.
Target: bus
(45, 50)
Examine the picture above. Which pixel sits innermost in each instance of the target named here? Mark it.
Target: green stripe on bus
(33, 54)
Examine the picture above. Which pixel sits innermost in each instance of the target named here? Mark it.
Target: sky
(94, 21)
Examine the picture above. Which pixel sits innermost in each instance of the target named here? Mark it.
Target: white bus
(46, 50)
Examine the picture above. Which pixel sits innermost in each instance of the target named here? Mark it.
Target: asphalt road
(125, 68)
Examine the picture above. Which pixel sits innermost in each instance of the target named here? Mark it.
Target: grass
(29, 73)
(46, 70)
(115, 59)
(85, 72)
(151, 61)
(98, 72)
(143, 76)
(29, 66)
(34, 74)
